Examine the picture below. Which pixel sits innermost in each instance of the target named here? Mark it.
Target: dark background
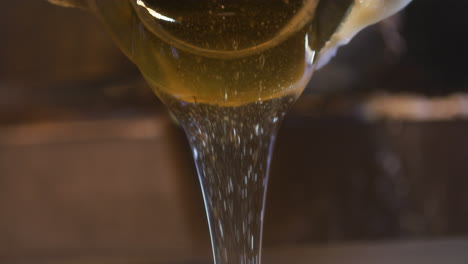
(91, 164)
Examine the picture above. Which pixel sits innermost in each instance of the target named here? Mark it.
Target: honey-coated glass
(229, 70)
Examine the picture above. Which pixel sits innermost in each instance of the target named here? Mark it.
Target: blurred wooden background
(90, 163)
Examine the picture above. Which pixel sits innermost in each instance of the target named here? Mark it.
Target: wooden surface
(402, 252)
(452, 251)
(95, 186)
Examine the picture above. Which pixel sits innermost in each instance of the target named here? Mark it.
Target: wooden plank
(403, 252)
(452, 251)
